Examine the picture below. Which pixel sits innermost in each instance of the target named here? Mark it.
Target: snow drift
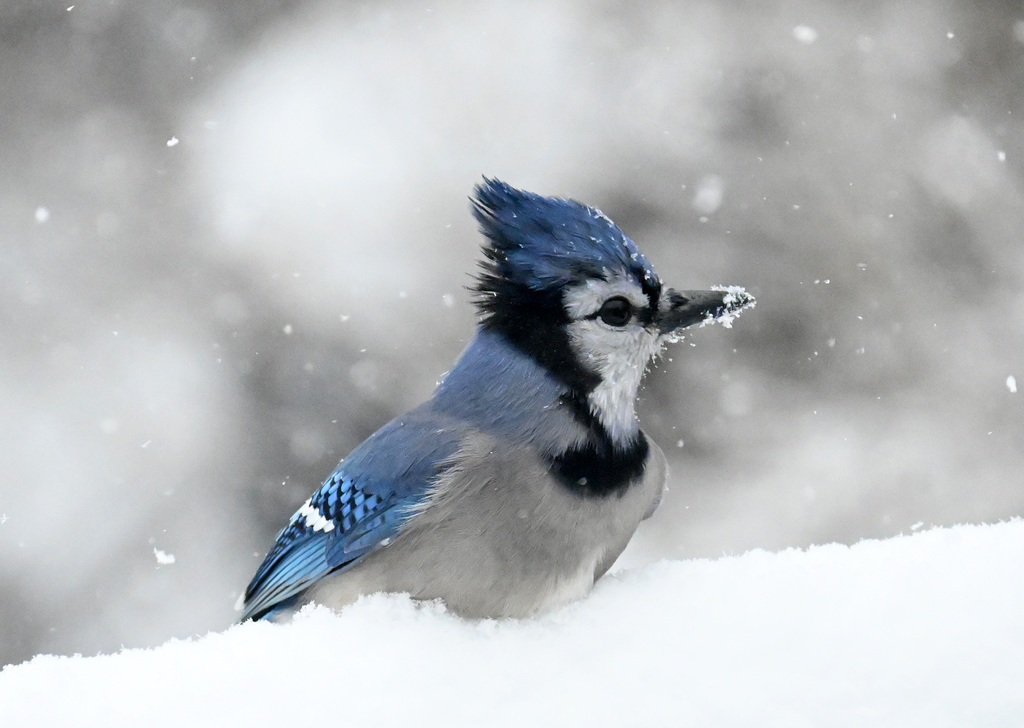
(925, 629)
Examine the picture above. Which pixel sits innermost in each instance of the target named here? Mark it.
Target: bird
(514, 488)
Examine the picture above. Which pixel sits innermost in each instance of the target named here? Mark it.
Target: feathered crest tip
(538, 244)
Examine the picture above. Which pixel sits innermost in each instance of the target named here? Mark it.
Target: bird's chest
(504, 536)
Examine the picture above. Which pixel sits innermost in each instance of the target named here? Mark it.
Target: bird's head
(564, 284)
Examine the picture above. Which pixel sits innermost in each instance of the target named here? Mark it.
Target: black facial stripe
(535, 322)
(653, 292)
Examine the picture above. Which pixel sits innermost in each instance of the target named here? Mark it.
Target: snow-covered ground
(922, 630)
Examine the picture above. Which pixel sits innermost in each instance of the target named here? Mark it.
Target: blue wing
(361, 506)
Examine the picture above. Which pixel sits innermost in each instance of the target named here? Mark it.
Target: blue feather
(361, 506)
(545, 243)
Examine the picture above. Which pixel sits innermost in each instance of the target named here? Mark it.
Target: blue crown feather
(541, 244)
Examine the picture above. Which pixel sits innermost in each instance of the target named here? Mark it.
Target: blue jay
(519, 482)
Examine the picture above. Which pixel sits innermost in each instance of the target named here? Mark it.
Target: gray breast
(501, 538)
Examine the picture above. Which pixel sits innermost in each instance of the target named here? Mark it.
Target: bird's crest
(536, 246)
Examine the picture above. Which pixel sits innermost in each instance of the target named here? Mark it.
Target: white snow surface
(920, 630)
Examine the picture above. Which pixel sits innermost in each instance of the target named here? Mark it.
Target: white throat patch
(618, 355)
(613, 400)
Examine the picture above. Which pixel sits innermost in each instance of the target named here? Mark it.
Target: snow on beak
(722, 304)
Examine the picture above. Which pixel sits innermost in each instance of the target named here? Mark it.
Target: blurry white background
(235, 240)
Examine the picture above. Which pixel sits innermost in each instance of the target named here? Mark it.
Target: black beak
(686, 308)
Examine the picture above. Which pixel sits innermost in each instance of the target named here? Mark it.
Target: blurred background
(235, 240)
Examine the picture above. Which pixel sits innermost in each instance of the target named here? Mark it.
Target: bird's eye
(616, 311)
